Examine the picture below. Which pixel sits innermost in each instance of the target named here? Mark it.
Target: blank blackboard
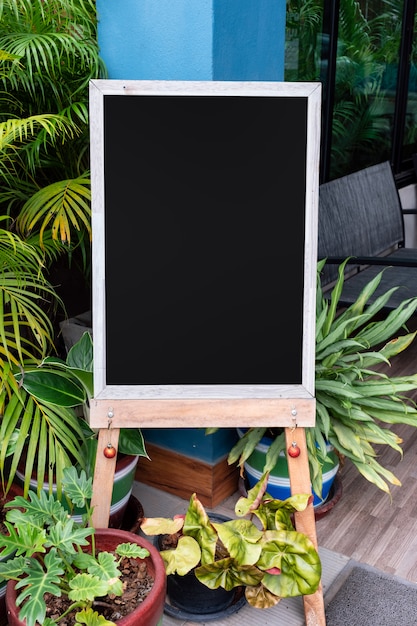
(204, 245)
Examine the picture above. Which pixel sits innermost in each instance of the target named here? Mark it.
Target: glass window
(357, 49)
(410, 131)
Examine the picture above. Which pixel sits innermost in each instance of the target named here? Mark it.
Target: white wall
(408, 197)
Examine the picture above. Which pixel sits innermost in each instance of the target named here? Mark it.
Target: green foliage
(354, 400)
(46, 417)
(48, 55)
(356, 405)
(48, 555)
(272, 560)
(366, 67)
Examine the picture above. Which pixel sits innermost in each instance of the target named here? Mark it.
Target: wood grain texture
(304, 520)
(182, 475)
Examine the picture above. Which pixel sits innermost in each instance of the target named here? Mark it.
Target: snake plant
(356, 403)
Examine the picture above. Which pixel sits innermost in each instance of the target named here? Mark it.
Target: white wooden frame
(203, 405)
(289, 406)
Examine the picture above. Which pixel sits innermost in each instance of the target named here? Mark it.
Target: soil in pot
(138, 583)
(141, 603)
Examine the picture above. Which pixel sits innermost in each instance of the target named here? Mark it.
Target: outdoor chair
(360, 216)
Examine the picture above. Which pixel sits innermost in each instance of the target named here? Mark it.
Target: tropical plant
(364, 76)
(46, 418)
(27, 300)
(50, 557)
(271, 559)
(356, 404)
(48, 54)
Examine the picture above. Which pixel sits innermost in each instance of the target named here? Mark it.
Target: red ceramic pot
(149, 612)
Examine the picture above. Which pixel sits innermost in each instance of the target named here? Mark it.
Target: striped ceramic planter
(122, 489)
(279, 481)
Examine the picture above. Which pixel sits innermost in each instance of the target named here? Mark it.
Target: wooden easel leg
(103, 478)
(304, 520)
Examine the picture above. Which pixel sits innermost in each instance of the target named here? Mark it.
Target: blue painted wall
(248, 39)
(193, 39)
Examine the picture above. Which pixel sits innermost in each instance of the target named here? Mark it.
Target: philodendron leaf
(42, 508)
(228, 574)
(12, 569)
(68, 537)
(80, 356)
(92, 618)
(34, 586)
(131, 441)
(294, 556)
(132, 550)
(25, 539)
(104, 566)
(54, 387)
(260, 598)
(197, 525)
(77, 486)
(241, 539)
(184, 558)
(162, 525)
(85, 588)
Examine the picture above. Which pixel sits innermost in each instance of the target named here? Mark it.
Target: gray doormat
(364, 596)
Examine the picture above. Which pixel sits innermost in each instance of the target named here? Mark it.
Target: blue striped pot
(122, 489)
(279, 481)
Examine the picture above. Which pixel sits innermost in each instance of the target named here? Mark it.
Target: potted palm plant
(268, 559)
(356, 404)
(62, 568)
(48, 55)
(61, 391)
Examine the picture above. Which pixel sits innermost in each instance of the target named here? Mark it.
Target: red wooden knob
(294, 450)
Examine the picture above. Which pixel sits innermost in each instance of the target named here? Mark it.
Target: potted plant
(269, 559)
(356, 404)
(64, 568)
(47, 60)
(46, 228)
(60, 391)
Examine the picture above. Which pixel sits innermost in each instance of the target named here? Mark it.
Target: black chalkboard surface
(204, 214)
(205, 229)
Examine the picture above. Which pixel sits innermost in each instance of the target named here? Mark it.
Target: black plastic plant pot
(188, 594)
(188, 599)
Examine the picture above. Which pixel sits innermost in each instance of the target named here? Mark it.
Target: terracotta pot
(132, 519)
(15, 490)
(149, 612)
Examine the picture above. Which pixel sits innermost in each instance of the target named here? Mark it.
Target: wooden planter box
(182, 475)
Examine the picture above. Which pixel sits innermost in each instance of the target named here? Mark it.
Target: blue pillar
(193, 39)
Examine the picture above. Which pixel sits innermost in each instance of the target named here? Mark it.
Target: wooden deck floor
(366, 524)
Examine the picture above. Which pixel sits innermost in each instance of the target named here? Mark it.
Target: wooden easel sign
(204, 209)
